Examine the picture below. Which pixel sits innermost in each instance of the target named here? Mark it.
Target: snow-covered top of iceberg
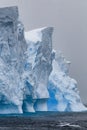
(34, 35)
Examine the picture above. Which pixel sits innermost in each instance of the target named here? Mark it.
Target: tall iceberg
(38, 65)
(12, 45)
(33, 77)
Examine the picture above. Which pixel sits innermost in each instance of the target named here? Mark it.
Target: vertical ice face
(12, 46)
(39, 63)
(64, 94)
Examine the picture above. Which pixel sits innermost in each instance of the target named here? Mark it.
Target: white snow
(34, 35)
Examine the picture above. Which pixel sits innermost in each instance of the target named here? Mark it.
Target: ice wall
(64, 94)
(33, 77)
(38, 65)
(11, 59)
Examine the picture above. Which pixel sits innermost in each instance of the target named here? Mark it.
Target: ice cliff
(33, 77)
(64, 94)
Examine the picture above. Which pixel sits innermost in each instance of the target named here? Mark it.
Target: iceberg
(63, 91)
(38, 65)
(33, 77)
(11, 61)
(64, 94)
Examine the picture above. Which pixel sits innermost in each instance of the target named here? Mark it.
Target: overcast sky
(69, 18)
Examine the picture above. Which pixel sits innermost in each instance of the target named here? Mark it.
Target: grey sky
(69, 17)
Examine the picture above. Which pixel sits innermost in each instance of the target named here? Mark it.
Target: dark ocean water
(44, 121)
